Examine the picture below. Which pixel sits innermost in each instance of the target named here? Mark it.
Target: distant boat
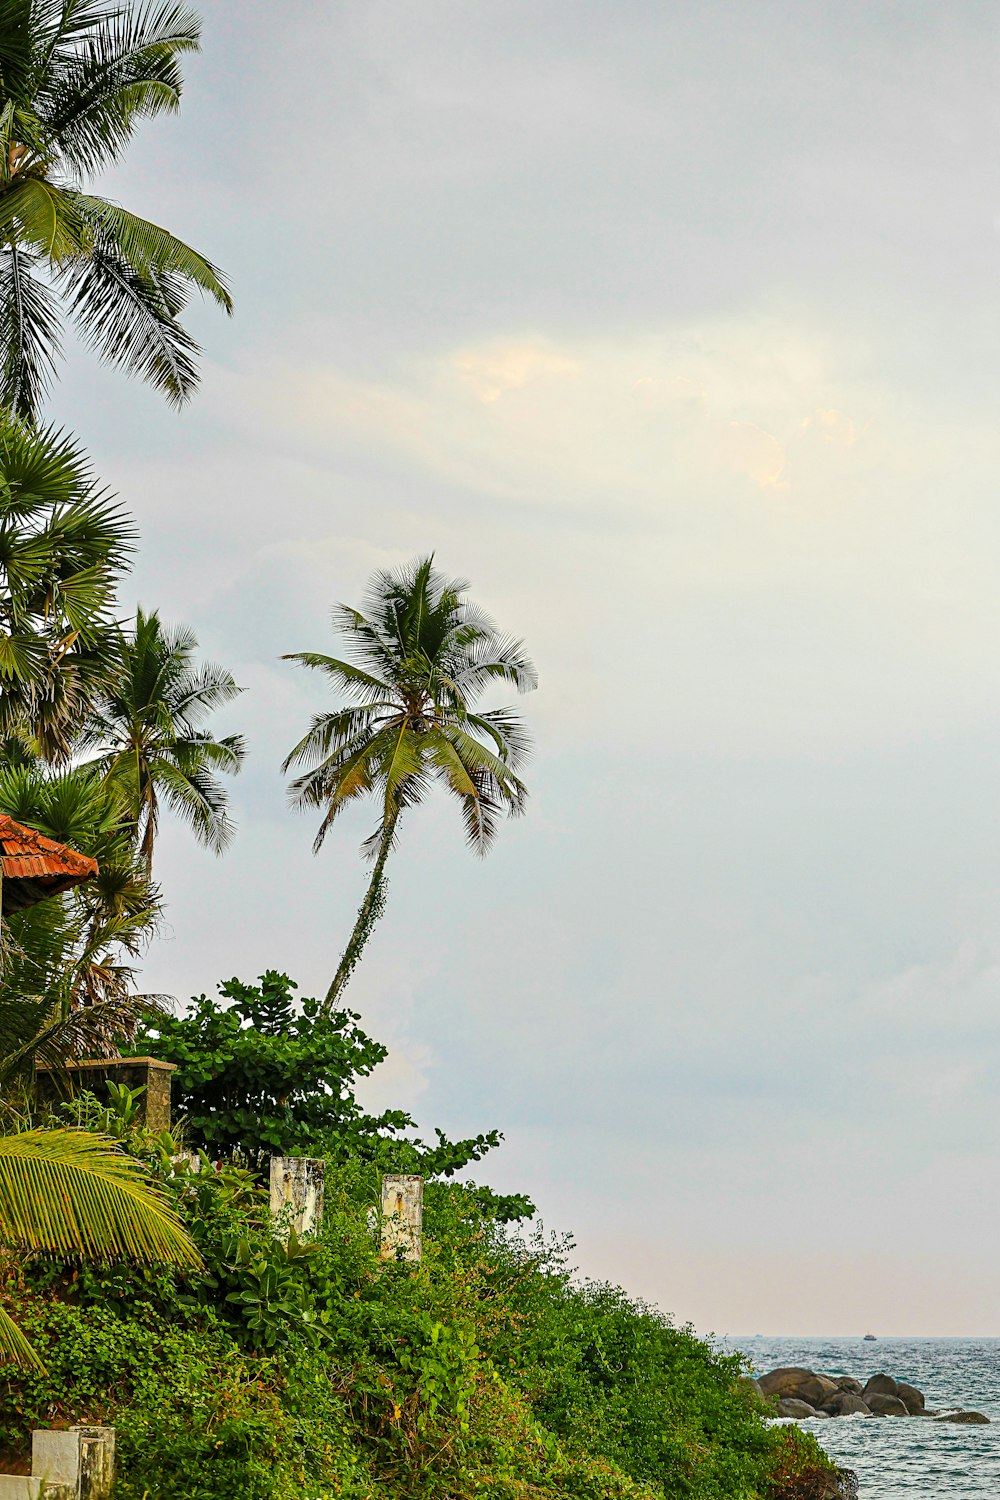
(870, 1338)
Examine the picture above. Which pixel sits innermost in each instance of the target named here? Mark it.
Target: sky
(675, 329)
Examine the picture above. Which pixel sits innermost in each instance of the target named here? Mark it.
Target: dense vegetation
(289, 1370)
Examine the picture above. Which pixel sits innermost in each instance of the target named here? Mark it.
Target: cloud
(510, 367)
(759, 500)
(586, 422)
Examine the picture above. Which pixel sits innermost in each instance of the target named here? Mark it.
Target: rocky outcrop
(842, 1486)
(880, 1385)
(803, 1395)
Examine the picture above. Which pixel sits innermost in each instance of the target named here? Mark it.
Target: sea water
(898, 1458)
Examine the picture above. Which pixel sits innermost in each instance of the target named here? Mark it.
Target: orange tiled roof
(27, 855)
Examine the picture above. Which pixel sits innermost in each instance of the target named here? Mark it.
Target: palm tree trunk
(369, 912)
(146, 795)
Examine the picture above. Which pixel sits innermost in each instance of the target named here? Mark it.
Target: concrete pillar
(78, 1464)
(297, 1182)
(402, 1217)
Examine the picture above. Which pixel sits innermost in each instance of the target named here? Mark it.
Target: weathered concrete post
(78, 1464)
(402, 1217)
(297, 1181)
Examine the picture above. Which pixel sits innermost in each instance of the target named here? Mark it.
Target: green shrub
(263, 1075)
(196, 1418)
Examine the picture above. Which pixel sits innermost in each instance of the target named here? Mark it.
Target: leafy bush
(196, 1418)
(260, 1077)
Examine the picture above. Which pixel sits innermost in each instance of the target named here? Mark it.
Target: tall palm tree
(420, 656)
(64, 544)
(147, 728)
(76, 79)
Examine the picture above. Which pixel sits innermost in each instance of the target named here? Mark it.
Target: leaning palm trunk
(369, 912)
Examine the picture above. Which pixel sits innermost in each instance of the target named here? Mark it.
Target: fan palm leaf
(64, 544)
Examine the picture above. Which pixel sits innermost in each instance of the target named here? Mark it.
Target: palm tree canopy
(149, 731)
(76, 79)
(420, 657)
(64, 544)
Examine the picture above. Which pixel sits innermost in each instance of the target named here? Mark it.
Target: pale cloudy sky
(676, 328)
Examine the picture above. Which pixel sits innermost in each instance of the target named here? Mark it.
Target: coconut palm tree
(64, 544)
(420, 656)
(76, 79)
(147, 729)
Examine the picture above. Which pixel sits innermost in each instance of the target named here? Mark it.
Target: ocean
(897, 1458)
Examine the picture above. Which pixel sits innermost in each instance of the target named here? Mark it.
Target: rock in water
(884, 1406)
(970, 1418)
(880, 1385)
(911, 1398)
(845, 1404)
(788, 1406)
(795, 1383)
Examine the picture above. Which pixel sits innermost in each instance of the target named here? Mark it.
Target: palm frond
(71, 1192)
(151, 252)
(362, 685)
(42, 217)
(15, 1349)
(130, 319)
(331, 734)
(31, 1034)
(123, 67)
(30, 333)
(198, 799)
(495, 658)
